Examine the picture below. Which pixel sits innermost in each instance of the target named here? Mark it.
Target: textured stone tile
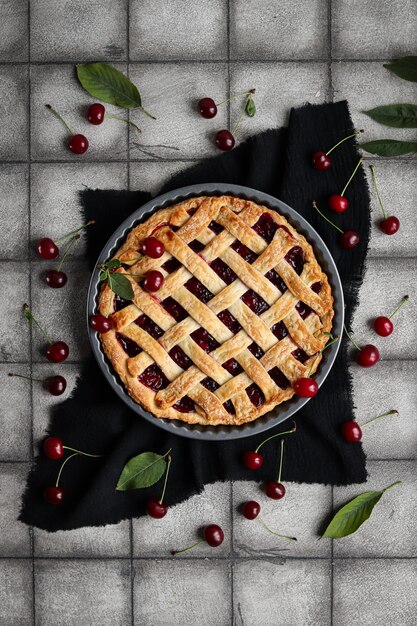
(14, 203)
(165, 593)
(299, 514)
(279, 592)
(183, 523)
(171, 93)
(14, 342)
(390, 532)
(278, 30)
(367, 85)
(396, 183)
(61, 311)
(78, 31)
(373, 592)
(104, 541)
(386, 282)
(394, 437)
(55, 204)
(151, 176)
(279, 86)
(15, 414)
(14, 112)
(15, 592)
(82, 592)
(14, 536)
(58, 86)
(14, 30)
(373, 29)
(178, 30)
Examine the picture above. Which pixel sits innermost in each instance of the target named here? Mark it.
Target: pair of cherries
(224, 139)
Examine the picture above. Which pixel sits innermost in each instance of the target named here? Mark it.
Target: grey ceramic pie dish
(281, 412)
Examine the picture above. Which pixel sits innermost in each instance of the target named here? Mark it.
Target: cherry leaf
(250, 108)
(120, 285)
(113, 263)
(103, 275)
(104, 82)
(405, 68)
(390, 147)
(395, 115)
(141, 471)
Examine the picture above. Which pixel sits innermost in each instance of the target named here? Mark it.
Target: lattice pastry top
(242, 312)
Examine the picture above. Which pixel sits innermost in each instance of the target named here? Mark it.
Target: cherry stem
(122, 119)
(281, 458)
(30, 318)
(274, 532)
(169, 460)
(350, 338)
(96, 456)
(393, 412)
(55, 112)
(404, 300)
(328, 344)
(326, 218)
(147, 113)
(38, 380)
(350, 179)
(63, 465)
(70, 245)
(343, 140)
(74, 232)
(398, 482)
(236, 126)
(174, 552)
(236, 95)
(384, 213)
(286, 432)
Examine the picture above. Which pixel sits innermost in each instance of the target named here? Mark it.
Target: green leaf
(103, 275)
(395, 115)
(390, 147)
(351, 516)
(104, 82)
(250, 108)
(120, 285)
(405, 68)
(113, 263)
(141, 471)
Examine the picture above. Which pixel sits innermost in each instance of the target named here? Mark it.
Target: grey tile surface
(14, 341)
(14, 200)
(178, 30)
(150, 176)
(166, 593)
(96, 542)
(14, 536)
(14, 30)
(14, 94)
(15, 413)
(15, 592)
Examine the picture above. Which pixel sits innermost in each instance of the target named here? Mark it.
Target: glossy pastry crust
(177, 227)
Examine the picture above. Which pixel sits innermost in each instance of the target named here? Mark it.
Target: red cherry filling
(178, 355)
(223, 270)
(210, 384)
(300, 355)
(196, 245)
(256, 350)
(245, 252)
(295, 257)
(215, 227)
(198, 289)
(280, 330)
(149, 325)
(233, 367)
(204, 340)
(279, 378)
(276, 280)
(185, 405)
(254, 302)
(171, 265)
(174, 308)
(303, 310)
(255, 394)
(129, 346)
(316, 287)
(153, 377)
(230, 321)
(266, 227)
(120, 303)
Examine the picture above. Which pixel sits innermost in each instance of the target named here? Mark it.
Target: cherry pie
(242, 312)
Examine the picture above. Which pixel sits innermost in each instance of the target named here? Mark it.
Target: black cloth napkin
(95, 420)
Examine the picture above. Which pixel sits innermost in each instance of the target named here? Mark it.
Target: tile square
(14, 98)
(165, 593)
(14, 30)
(171, 93)
(373, 29)
(186, 520)
(282, 592)
(151, 176)
(279, 86)
(14, 342)
(176, 29)
(288, 29)
(15, 608)
(372, 592)
(395, 437)
(390, 531)
(15, 413)
(299, 514)
(14, 202)
(58, 86)
(14, 536)
(78, 31)
(55, 203)
(70, 593)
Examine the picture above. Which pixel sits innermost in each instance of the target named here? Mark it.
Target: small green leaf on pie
(250, 108)
(390, 147)
(395, 115)
(120, 285)
(113, 263)
(103, 275)
(141, 471)
(405, 68)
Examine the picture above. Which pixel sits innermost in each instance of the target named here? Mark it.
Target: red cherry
(390, 225)
(152, 247)
(306, 387)
(320, 161)
(214, 535)
(153, 281)
(78, 144)
(253, 460)
(351, 431)
(225, 140)
(56, 279)
(57, 352)
(53, 448)
(95, 114)
(350, 239)
(207, 108)
(274, 490)
(100, 323)
(383, 326)
(251, 509)
(156, 509)
(337, 203)
(47, 249)
(54, 495)
(367, 356)
(57, 385)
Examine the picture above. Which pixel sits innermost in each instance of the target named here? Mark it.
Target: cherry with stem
(54, 494)
(77, 143)
(53, 448)
(251, 511)
(389, 224)
(275, 489)
(352, 432)
(349, 239)
(47, 248)
(383, 325)
(367, 356)
(158, 508)
(305, 386)
(339, 203)
(207, 107)
(56, 351)
(57, 278)
(56, 385)
(321, 160)
(225, 139)
(213, 536)
(253, 460)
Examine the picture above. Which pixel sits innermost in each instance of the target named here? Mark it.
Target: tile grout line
(251, 61)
